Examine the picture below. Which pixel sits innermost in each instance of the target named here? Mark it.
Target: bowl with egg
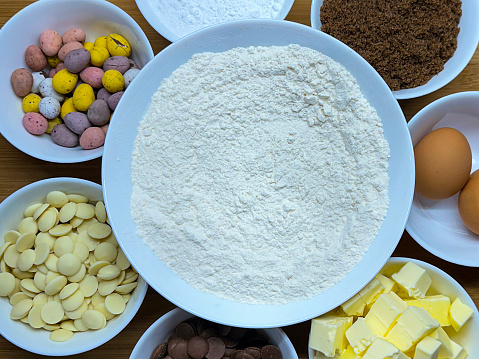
(444, 214)
(200, 338)
(407, 296)
(444, 40)
(47, 309)
(239, 200)
(90, 18)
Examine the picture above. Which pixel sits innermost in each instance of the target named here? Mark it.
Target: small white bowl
(171, 31)
(37, 340)
(96, 18)
(442, 283)
(467, 42)
(436, 225)
(163, 328)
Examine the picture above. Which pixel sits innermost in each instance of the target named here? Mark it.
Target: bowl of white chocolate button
(411, 309)
(65, 285)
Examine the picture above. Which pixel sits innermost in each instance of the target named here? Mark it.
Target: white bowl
(37, 340)
(97, 18)
(173, 32)
(436, 225)
(117, 164)
(163, 328)
(467, 42)
(442, 283)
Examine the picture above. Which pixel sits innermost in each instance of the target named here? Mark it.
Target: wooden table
(18, 169)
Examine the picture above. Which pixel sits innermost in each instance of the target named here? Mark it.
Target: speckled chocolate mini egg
(49, 107)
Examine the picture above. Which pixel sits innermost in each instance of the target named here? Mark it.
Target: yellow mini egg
(52, 124)
(118, 45)
(100, 41)
(53, 61)
(468, 203)
(88, 45)
(98, 55)
(67, 107)
(443, 163)
(64, 81)
(83, 97)
(113, 81)
(30, 103)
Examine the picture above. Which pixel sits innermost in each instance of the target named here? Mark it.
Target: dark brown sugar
(406, 41)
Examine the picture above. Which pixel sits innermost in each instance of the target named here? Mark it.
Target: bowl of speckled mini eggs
(64, 75)
(66, 286)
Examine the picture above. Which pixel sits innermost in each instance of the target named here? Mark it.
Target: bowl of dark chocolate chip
(417, 46)
(181, 335)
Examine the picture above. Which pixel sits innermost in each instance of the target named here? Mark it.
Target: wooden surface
(18, 169)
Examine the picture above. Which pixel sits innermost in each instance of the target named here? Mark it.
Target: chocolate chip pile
(198, 338)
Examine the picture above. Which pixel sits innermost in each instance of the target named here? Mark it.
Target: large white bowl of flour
(226, 195)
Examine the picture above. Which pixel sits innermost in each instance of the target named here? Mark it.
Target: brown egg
(469, 203)
(443, 163)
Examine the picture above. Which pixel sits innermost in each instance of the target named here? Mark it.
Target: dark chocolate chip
(229, 351)
(216, 348)
(254, 352)
(159, 352)
(271, 352)
(241, 354)
(197, 347)
(172, 342)
(223, 330)
(185, 331)
(209, 332)
(229, 342)
(179, 350)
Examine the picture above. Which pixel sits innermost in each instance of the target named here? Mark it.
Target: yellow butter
(373, 322)
(458, 352)
(427, 348)
(388, 284)
(387, 308)
(446, 347)
(459, 314)
(348, 354)
(382, 349)
(354, 305)
(328, 334)
(366, 296)
(437, 305)
(360, 336)
(413, 279)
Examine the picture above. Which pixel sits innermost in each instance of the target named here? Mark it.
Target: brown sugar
(406, 41)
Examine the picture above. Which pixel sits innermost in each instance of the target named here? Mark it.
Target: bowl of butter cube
(66, 286)
(410, 309)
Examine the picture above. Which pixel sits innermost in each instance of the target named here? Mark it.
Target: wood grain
(18, 169)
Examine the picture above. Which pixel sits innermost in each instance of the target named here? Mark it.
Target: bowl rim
(140, 290)
(423, 90)
(146, 10)
(414, 231)
(86, 155)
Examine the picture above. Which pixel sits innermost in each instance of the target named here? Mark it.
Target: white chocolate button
(61, 335)
(74, 301)
(30, 210)
(26, 259)
(15, 298)
(67, 212)
(39, 210)
(97, 299)
(99, 230)
(68, 325)
(50, 276)
(80, 325)
(7, 284)
(95, 267)
(3, 248)
(51, 327)
(121, 277)
(21, 309)
(57, 199)
(43, 268)
(29, 285)
(102, 309)
(47, 220)
(105, 252)
(115, 304)
(75, 222)
(81, 250)
(28, 225)
(51, 262)
(93, 319)
(77, 198)
(126, 288)
(126, 297)
(52, 312)
(45, 237)
(122, 261)
(77, 277)
(106, 287)
(63, 245)
(86, 223)
(85, 211)
(68, 290)
(112, 239)
(35, 316)
(11, 236)
(40, 298)
(25, 241)
(55, 285)
(89, 285)
(41, 253)
(21, 274)
(61, 230)
(109, 272)
(90, 242)
(77, 313)
(40, 280)
(100, 211)
(130, 279)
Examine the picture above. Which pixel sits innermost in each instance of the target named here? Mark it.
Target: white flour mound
(260, 174)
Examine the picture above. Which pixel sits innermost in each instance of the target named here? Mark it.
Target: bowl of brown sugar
(417, 46)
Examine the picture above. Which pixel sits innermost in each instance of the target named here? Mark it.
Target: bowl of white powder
(175, 19)
(266, 173)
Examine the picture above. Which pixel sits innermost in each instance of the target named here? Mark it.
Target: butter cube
(373, 322)
(446, 347)
(458, 352)
(328, 334)
(413, 279)
(413, 325)
(366, 296)
(427, 348)
(348, 354)
(459, 314)
(387, 308)
(387, 283)
(319, 355)
(382, 349)
(360, 336)
(437, 305)
(354, 305)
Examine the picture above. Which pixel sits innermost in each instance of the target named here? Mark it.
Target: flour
(260, 174)
(183, 17)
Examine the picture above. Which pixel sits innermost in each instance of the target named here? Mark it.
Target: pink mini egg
(50, 42)
(92, 137)
(73, 35)
(92, 76)
(69, 46)
(35, 123)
